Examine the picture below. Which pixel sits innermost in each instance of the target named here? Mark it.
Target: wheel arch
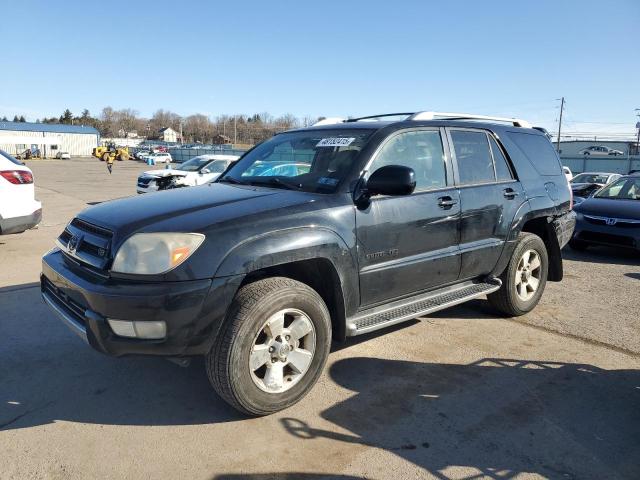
(315, 256)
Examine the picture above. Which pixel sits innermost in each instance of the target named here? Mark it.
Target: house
(221, 139)
(168, 134)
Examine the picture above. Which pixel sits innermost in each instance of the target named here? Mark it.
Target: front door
(408, 244)
(489, 198)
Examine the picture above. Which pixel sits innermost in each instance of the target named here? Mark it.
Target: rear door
(407, 244)
(490, 195)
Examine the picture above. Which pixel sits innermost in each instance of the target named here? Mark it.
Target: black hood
(604, 207)
(183, 209)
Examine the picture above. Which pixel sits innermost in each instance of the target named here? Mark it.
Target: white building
(168, 134)
(49, 138)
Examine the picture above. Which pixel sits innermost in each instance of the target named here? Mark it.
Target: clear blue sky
(332, 58)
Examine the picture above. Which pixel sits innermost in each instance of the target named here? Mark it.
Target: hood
(188, 209)
(165, 172)
(603, 207)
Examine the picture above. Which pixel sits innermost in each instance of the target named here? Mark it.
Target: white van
(19, 210)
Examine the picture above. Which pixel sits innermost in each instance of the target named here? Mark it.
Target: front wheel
(272, 347)
(524, 279)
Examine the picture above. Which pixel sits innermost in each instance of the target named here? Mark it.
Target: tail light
(570, 194)
(17, 177)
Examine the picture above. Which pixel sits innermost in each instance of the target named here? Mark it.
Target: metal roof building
(49, 138)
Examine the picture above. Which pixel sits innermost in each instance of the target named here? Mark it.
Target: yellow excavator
(111, 152)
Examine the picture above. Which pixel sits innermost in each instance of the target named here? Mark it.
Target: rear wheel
(105, 157)
(524, 279)
(272, 348)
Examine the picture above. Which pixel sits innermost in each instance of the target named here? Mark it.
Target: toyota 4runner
(316, 234)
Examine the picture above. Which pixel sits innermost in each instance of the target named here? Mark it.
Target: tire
(578, 245)
(257, 392)
(105, 157)
(509, 299)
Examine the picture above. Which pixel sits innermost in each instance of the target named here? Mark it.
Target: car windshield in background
(10, 158)
(590, 178)
(194, 164)
(311, 161)
(623, 189)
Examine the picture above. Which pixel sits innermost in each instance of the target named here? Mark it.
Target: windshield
(311, 161)
(590, 178)
(10, 158)
(194, 164)
(623, 189)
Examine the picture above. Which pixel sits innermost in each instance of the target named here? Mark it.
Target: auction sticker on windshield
(335, 142)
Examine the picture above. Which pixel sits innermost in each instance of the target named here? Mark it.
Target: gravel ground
(458, 394)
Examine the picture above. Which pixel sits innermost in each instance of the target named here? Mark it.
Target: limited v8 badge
(384, 253)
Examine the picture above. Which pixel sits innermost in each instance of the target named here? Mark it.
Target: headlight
(155, 253)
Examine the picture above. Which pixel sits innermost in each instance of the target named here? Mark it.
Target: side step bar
(416, 306)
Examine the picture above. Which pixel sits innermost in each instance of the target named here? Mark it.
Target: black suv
(318, 233)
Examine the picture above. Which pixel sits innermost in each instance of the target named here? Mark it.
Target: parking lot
(458, 394)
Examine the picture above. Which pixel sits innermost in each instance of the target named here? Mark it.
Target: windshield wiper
(275, 181)
(235, 181)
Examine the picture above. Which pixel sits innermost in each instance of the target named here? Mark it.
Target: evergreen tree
(66, 117)
(4, 119)
(15, 118)
(22, 119)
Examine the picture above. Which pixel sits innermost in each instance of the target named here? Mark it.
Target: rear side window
(539, 151)
(475, 164)
(502, 167)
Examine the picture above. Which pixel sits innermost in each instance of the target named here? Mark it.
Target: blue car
(611, 217)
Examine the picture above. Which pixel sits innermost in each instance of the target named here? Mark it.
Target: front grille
(86, 243)
(144, 181)
(62, 300)
(607, 238)
(619, 222)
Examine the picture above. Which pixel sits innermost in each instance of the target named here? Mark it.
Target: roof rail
(516, 122)
(329, 121)
(372, 117)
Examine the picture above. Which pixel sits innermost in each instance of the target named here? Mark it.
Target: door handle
(510, 193)
(446, 202)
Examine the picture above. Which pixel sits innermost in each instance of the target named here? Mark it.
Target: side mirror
(391, 180)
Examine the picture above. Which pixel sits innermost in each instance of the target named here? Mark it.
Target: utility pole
(560, 124)
(235, 131)
(638, 127)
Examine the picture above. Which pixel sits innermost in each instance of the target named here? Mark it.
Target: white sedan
(19, 210)
(197, 171)
(158, 157)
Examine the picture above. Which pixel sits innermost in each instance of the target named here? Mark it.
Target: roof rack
(373, 117)
(516, 122)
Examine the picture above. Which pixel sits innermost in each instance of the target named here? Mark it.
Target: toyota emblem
(73, 243)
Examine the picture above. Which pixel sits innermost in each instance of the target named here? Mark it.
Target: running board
(417, 306)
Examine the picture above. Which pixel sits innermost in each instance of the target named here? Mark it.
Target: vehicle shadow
(602, 254)
(633, 275)
(494, 418)
(47, 374)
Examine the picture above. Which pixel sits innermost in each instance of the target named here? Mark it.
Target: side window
(475, 164)
(502, 167)
(421, 150)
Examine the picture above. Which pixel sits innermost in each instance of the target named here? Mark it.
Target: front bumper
(193, 311)
(20, 224)
(617, 235)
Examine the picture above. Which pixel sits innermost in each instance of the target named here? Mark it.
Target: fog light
(146, 330)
